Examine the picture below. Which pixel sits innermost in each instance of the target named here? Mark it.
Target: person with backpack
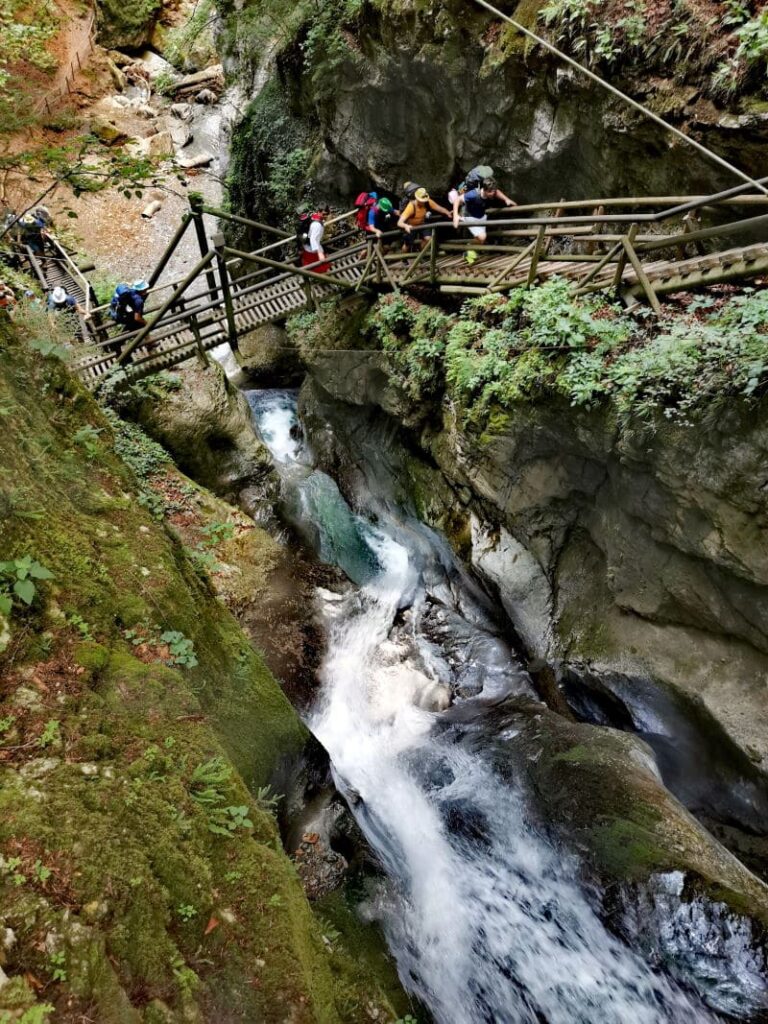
(33, 233)
(474, 179)
(415, 214)
(381, 218)
(364, 206)
(475, 202)
(312, 252)
(126, 308)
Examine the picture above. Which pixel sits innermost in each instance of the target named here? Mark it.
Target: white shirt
(315, 236)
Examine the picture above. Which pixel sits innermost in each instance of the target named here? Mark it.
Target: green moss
(91, 656)
(122, 24)
(109, 809)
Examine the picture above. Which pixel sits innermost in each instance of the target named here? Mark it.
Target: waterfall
(483, 913)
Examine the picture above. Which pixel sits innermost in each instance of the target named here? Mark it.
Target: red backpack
(363, 204)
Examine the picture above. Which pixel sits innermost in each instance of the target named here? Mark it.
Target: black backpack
(410, 188)
(303, 221)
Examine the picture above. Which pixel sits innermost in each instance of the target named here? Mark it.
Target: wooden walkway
(599, 245)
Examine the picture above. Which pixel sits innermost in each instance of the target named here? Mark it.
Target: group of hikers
(377, 215)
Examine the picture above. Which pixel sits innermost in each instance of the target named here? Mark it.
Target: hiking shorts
(476, 225)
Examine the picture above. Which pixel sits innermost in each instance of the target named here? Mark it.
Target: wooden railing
(637, 245)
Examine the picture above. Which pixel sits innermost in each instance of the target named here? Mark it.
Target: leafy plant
(6, 724)
(88, 437)
(42, 873)
(50, 733)
(266, 800)
(182, 650)
(225, 821)
(58, 962)
(10, 866)
(186, 911)
(79, 623)
(17, 581)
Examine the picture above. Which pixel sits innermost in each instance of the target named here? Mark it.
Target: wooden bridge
(638, 248)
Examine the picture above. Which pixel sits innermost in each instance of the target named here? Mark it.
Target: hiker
(474, 179)
(364, 205)
(381, 218)
(416, 212)
(475, 202)
(312, 252)
(33, 233)
(60, 302)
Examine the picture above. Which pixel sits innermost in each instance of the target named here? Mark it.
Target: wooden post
(589, 248)
(621, 262)
(196, 205)
(218, 246)
(202, 355)
(535, 257)
(163, 261)
(389, 277)
(647, 287)
(433, 259)
(367, 267)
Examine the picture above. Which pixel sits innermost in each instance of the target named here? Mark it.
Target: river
(483, 916)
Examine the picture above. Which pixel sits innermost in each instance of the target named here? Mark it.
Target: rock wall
(142, 877)
(634, 563)
(426, 95)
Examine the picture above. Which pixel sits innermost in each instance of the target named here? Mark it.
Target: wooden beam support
(647, 287)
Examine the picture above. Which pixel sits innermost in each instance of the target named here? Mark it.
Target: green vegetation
(25, 31)
(272, 157)
(623, 35)
(17, 580)
(522, 347)
(159, 905)
(192, 45)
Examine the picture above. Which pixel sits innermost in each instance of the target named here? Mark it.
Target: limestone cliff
(631, 560)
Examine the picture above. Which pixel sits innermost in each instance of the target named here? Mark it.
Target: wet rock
(183, 111)
(206, 96)
(320, 868)
(117, 76)
(665, 882)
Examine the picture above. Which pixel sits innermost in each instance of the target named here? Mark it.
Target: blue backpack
(119, 302)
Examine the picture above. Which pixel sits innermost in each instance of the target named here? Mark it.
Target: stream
(483, 914)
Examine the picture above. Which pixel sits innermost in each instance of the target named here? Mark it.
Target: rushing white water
(485, 920)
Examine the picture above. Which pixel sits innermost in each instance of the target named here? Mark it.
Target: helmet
(422, 195)
(140, 286)
(385, 205)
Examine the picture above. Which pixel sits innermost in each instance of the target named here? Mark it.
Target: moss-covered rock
(127, 26)
(141, 878)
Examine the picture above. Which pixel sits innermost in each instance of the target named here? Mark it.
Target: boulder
(159, 145)
(106, 131)
(206, 96)
(201, 160)
(269, 357)
(180, 134)
(156, 65)
(206, 424)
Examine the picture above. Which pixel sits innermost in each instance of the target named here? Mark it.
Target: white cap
(59, 295)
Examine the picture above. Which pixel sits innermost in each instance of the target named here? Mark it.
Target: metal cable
(623, 96)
